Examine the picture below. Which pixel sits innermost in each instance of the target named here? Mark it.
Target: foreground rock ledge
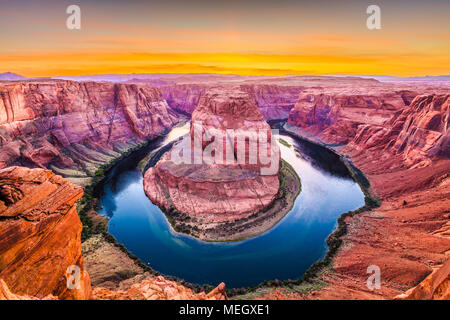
(40, 234)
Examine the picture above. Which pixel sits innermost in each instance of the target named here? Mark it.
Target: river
(284, 252)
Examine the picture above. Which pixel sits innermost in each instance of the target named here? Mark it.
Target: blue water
(284, 252)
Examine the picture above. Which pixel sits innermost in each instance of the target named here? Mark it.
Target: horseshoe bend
(358, 164)
(225, 199)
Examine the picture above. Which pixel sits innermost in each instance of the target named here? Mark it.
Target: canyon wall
(74, 127)
(419, 132)
(335, 116)
(183, 97)
(274, 101)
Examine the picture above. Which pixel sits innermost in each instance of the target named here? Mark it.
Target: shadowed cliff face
(274, 101)
(40, 234)
(73, 128)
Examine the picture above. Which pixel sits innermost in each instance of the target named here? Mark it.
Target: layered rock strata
(40, 234)
(75, 127)
(159, 289)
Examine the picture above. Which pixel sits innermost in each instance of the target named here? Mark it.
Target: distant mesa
(10, 76)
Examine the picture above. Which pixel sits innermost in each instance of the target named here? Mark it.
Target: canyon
(396, 133)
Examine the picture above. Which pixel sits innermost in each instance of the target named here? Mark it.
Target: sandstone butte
(40, 237)
(406, 159)
(216, 192)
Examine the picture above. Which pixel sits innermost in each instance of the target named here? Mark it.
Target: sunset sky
(242, 37)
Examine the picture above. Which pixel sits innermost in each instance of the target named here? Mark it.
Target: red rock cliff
(74, 127)
(406, 159)
(335, 116)
(40, 234)
(274, 101)
(419, 132)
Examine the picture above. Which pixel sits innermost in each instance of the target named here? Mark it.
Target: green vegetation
(284, 142)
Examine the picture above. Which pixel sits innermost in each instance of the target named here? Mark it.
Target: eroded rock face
(184, 97)
(335, 116)
(6, 294)
(74, 127)
(405, 159)
(216, 192)
(420, 132)
(273, 101)
(40, 234)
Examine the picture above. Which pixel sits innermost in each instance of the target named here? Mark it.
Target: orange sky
(241, 37)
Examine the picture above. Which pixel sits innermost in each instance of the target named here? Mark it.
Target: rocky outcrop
(6, 294)
(40, 244)
(434, 287)
(216, 192)
(40, 235)
(74, 127)
(159, 289)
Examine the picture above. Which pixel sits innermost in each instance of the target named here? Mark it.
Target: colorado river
(284, 252)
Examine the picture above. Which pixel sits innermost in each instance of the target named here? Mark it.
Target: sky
(249, 37)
